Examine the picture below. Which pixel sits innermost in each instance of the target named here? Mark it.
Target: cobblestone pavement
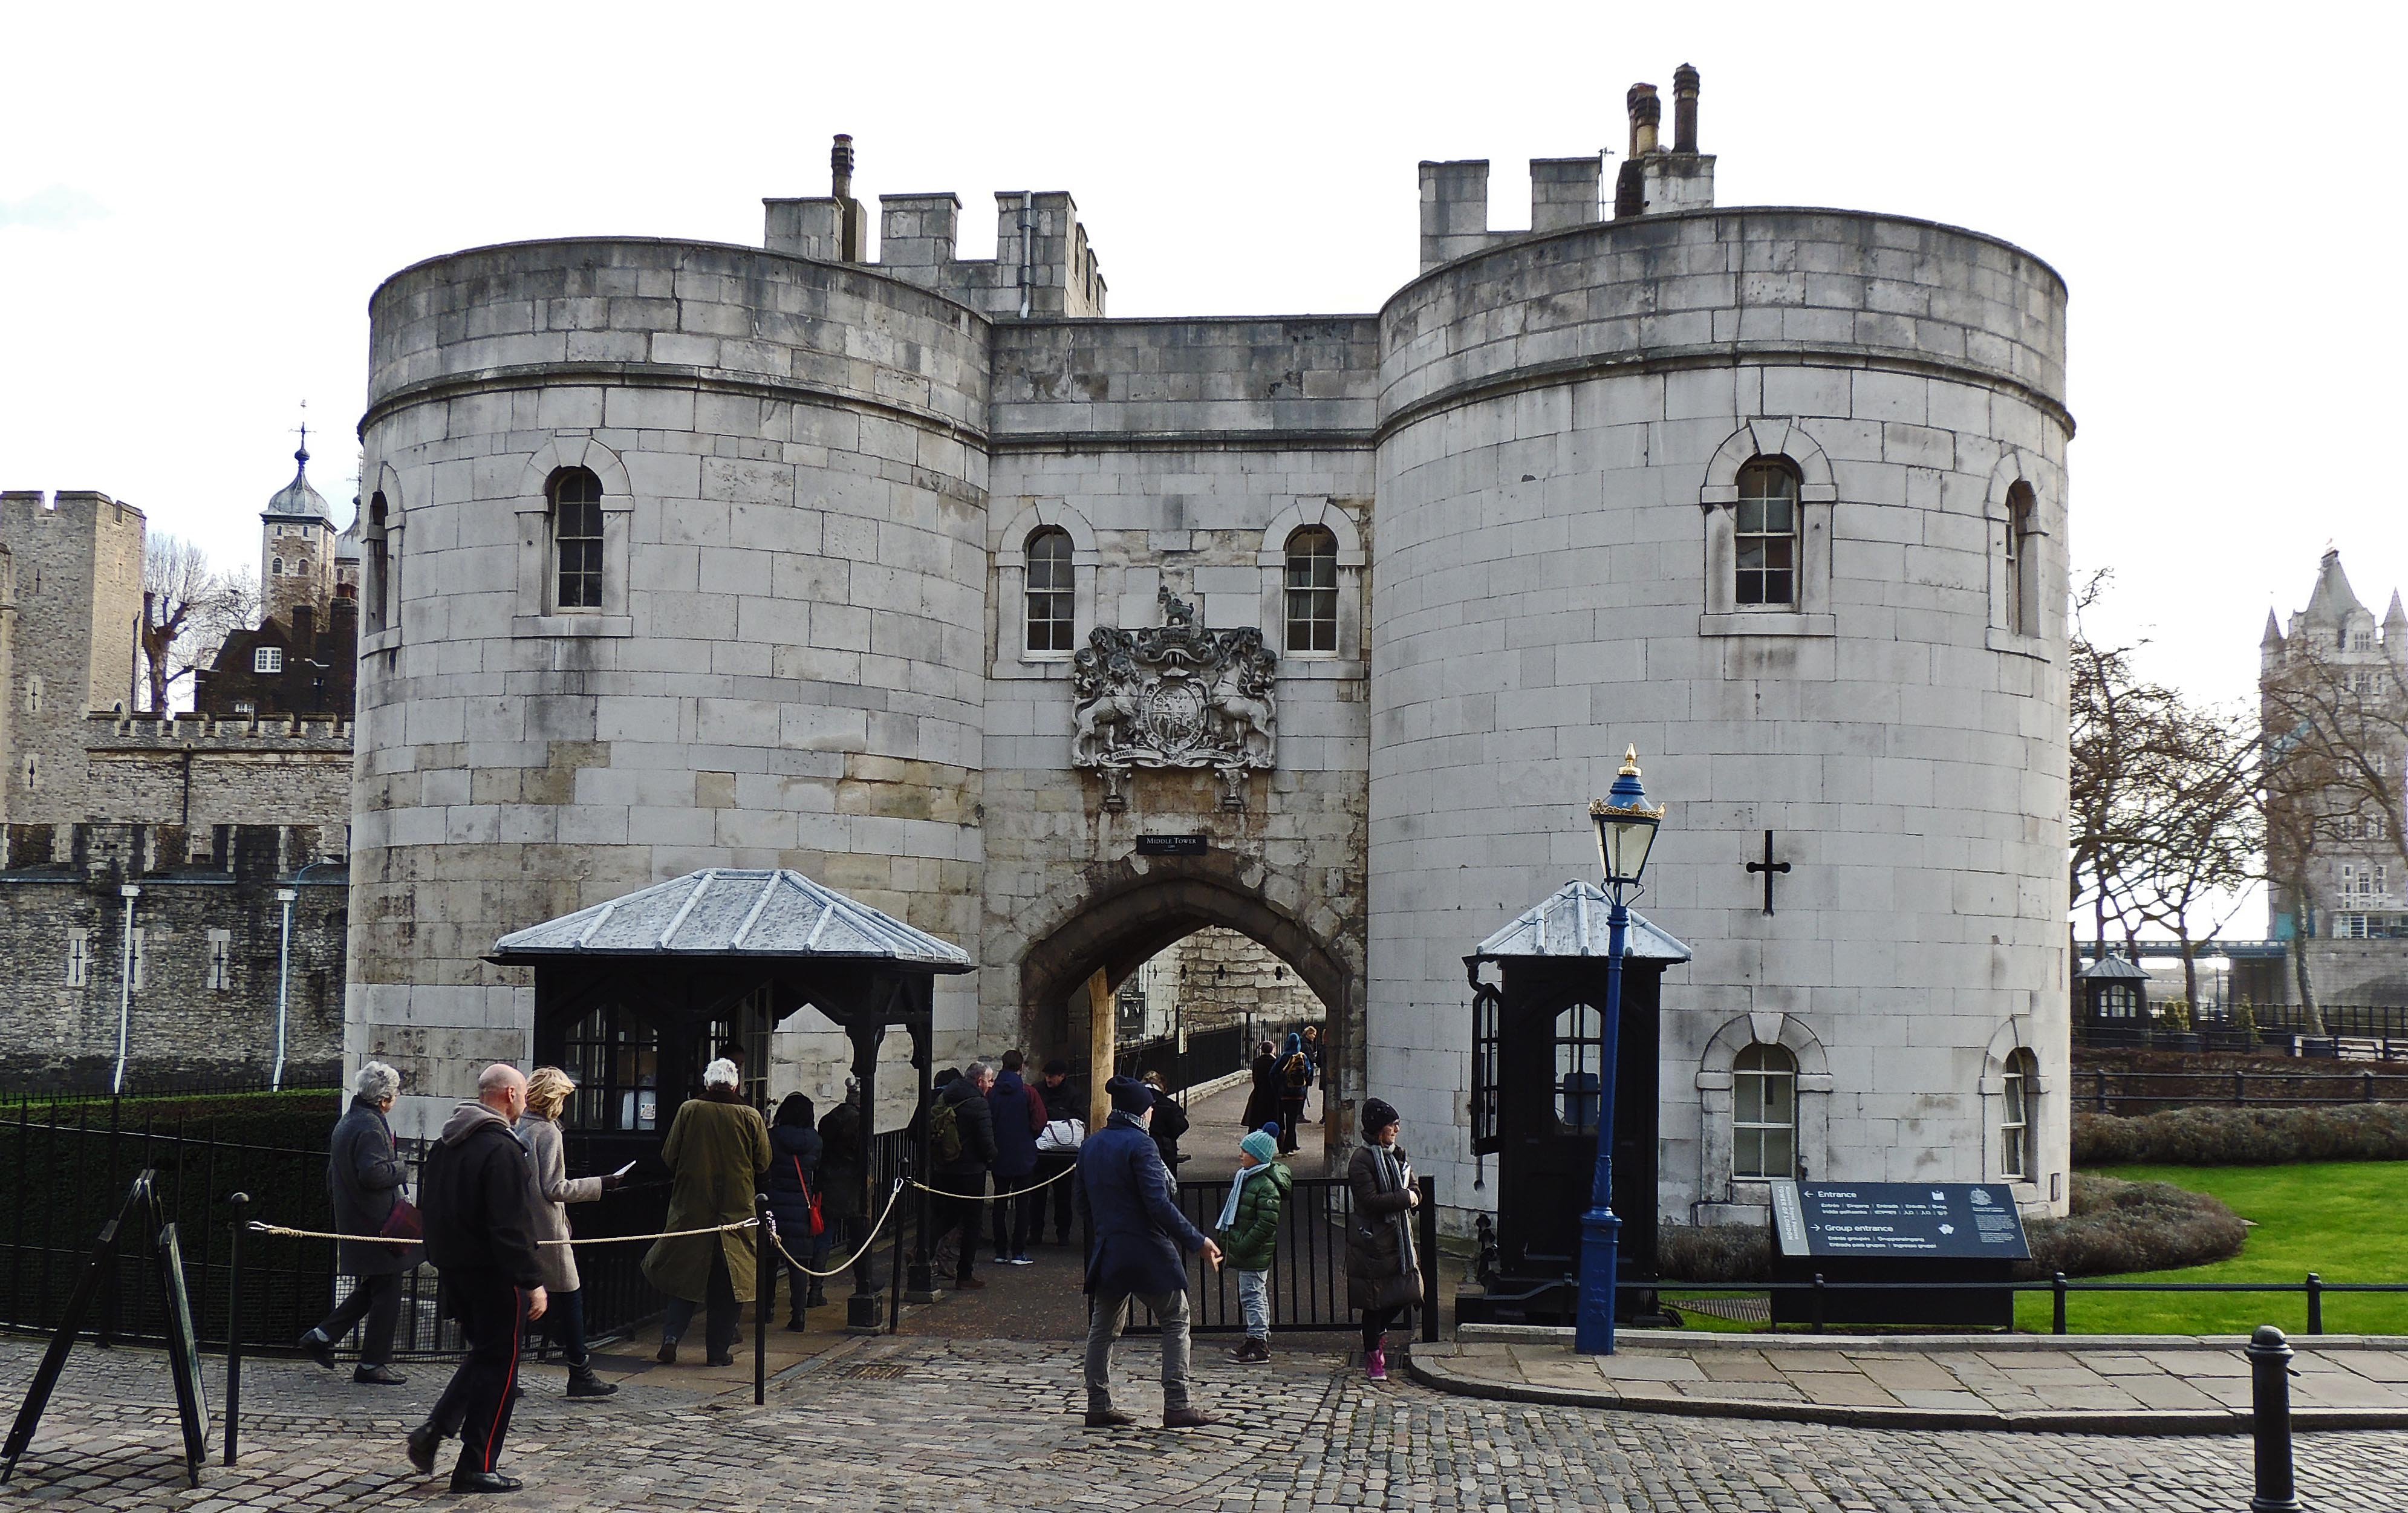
(950, 1423)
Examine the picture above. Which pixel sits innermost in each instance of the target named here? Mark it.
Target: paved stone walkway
(894, 1423)
(2110, 1385)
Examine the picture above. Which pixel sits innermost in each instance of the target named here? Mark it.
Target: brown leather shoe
(1108, 1418)
(1186, 1418)
(970, 1284)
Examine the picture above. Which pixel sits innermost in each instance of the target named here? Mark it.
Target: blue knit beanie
(1260, 1145)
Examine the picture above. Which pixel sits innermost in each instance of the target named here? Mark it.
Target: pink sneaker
(1375, 1363)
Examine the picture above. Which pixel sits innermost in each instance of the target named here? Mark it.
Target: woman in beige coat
(538, 1130)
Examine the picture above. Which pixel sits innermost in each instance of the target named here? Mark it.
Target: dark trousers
(377, 1299)
(1376, 1323)
(476, 1401)
(719, 1329)
(811, 1249)
(1054, 1163)
(1016, 1214)
(1291, 1115)
(564, 1318)
(957, 1213)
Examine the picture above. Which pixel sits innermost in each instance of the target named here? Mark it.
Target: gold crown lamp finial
(1630, 760)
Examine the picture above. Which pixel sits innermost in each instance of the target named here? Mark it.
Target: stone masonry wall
(1564, 420)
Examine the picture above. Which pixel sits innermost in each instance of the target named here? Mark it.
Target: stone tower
(77, 561)
(296, 545)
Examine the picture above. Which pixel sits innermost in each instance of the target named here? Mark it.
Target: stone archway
(1132, 910)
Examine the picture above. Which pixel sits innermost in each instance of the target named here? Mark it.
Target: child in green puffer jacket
(1250, 1235)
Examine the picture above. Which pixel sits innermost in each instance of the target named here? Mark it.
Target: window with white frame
(1767, 535)
(220, 948)
(1312, 590)
(1052, 593)
(577, 540)
(1764, 1112)
(79, 958)
(2016, 1146)
(267, 659)
(2350, 927)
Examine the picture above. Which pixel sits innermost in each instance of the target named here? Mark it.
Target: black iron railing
(2130, 1092)
(1308, 1281)
(2060, 1288)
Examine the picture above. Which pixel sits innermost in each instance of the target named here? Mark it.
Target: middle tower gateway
(1776, 494)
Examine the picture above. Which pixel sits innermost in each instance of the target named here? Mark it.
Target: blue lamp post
(1625, 828)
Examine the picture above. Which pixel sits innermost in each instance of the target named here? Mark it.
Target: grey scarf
(1395, 1174)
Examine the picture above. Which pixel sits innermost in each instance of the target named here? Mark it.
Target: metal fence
(1308, 1281)
(64, 1167)
(2060, 1288)
(2147, 1092)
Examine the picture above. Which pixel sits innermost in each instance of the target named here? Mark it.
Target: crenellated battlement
(1042, 264)
(111, 731)
(1567, 192)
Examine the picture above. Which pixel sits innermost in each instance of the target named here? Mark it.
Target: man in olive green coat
(716, 1150)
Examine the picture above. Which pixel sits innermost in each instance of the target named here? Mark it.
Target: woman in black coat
(365, 1176)
(1383, 1275)
(1262, 1105)
(839, 1189)
(796, 1156)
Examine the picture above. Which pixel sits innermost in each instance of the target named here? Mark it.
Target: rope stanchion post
(764, 1280)
(895, 1272)
(239, 1202)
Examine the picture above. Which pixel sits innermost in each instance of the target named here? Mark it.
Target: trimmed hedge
(2110, 1227)
(2212, 1136)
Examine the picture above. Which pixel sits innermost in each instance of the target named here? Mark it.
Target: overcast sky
(195, 203)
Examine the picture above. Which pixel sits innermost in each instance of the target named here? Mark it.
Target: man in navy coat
(1138, 1234)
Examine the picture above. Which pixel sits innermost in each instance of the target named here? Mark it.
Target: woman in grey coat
(365, 1177)
(538, 1130)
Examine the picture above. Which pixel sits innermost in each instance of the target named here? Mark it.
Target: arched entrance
(1127, 918)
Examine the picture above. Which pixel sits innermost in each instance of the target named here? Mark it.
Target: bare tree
(187, 609)
(2202, 830)
(2119, 725)
(2292, 803)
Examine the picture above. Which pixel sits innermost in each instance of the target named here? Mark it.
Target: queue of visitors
(496, 1192)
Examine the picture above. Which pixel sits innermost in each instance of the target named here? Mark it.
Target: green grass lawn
(2346, 1221)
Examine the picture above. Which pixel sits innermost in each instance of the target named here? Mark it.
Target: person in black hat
(1137, 1237)
(1383, 1277)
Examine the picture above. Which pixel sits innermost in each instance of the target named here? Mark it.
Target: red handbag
(819, 1226)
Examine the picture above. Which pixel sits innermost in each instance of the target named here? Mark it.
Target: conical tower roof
(2334, 601)
(2274, 636)
(2394, 617)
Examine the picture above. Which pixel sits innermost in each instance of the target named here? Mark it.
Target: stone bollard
(2270, 1402)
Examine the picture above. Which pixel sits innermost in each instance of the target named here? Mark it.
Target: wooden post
(1099, 1049)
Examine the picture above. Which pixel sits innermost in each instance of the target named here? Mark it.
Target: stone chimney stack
(1685, 110)
(832, 229)
(1646, 114)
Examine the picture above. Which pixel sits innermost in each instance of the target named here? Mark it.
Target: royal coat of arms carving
(1174, 695)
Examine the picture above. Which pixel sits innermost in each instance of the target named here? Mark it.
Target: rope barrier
(1015, 1193)
(257, 1227)
(862, 1249)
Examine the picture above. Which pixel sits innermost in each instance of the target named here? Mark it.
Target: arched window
(2019, 591)
(1767, 535)
(1053, 594)
(1579, 1063)
(378, 575)
(1764, 1112)
(276, 567)
(577, 538)
(2016, 1146)
(1312, 590)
